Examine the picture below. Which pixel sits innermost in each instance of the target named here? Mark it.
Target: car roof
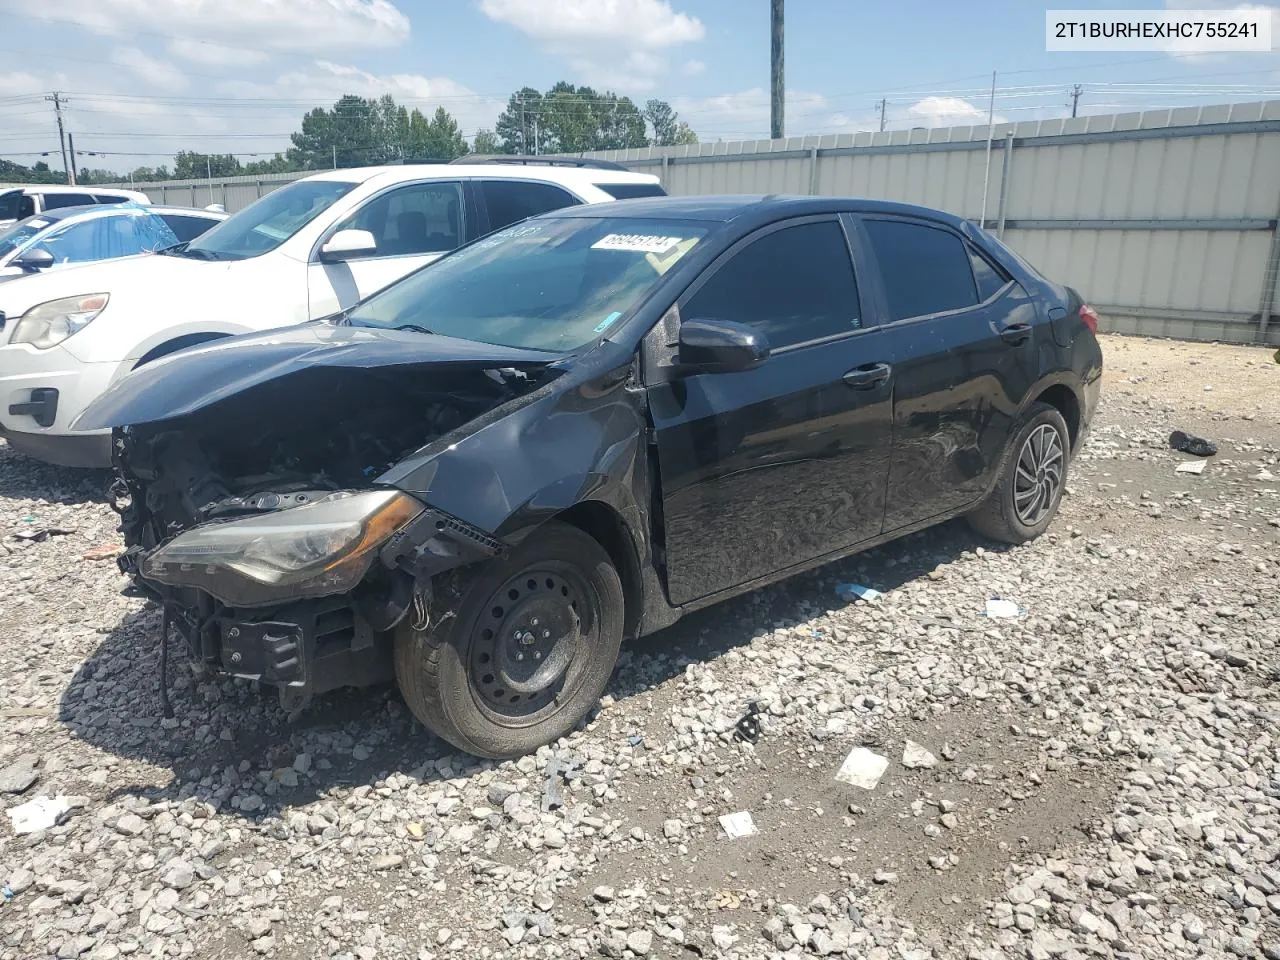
(759, 206)
(116, 209)
(572, 176)
(67, 188)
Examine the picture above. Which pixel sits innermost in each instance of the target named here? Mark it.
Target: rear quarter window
(631, 191)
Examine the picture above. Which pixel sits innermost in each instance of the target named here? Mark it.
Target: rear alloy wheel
(1026, 497)
(528, 652)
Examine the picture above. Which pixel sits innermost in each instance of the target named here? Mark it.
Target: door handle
(1016, 333)
(867, 376)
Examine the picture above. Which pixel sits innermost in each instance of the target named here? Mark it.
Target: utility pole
(335, 156)
(776, 78)
(882, 105)
(57, 99)
(71, 148)
(986, 176)
(535, 135)
(1076, 90)
(524, 137)
(208, 169)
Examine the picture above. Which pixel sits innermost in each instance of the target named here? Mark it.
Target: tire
(476, 675)
(1007, 513)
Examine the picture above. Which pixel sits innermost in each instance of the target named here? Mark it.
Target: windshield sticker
(607, 322)
(636, 243)
(513, 233)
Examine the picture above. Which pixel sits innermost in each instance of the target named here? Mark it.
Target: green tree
(668, 128)
(486, 142)
(514, 129)
(569, 119)
(190, 165)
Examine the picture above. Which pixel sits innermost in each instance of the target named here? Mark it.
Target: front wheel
(526, 650)
(1026, 497)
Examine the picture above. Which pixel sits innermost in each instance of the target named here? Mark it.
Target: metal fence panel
(1164, 219)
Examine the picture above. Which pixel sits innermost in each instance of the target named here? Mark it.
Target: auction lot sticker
(1242, 29)
(636, 243)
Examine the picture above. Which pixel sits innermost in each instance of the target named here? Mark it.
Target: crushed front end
(258, 525)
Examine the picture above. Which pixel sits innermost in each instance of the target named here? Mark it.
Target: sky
(145, 78)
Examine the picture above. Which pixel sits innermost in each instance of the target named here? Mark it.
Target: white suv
(307, 250)
(26, 200)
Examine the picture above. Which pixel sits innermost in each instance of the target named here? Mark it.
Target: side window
(418, 218)
(990, 280)
(925, 269)
(80, 242)
(794, 285)
(109, 198)
(13, 207)
(512, 200)
(186, 228)
(53, 201)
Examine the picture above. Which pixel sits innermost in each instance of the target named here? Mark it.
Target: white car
(304, 251)
(19, 201)
(72, 235)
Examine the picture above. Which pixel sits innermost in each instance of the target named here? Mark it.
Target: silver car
(72, 235)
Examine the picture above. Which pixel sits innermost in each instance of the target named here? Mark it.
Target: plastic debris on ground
(635, 740)
(747, 729)
(1002, 608)
(856, 591)
(862, 768)
(1189, 443)
(1191, 466)
(40, 536)
(738, 824)
(916, 757)
(39, 814)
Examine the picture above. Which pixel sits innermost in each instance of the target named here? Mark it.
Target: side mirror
(347, 245)
(720, 346)
(33, 260)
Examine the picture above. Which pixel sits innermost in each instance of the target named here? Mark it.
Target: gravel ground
(1099, 776)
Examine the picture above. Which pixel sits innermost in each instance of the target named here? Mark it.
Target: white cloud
(611, 43)
(283, 25)
(947, 112)
(19, 82)
(324, 82)
(215, 54)
(745, 114)
(644, 23)
(693, 67)
(158, 74)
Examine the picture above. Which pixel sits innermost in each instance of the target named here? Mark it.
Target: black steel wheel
(1025, 498)
(520, 649)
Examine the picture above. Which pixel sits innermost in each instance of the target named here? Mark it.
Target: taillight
(1089, 316)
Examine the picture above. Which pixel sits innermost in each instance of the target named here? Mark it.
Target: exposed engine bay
(307, 440)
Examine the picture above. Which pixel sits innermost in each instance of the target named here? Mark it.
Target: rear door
(959, 335)
(412, 225)
(505, 202)
(767, 468)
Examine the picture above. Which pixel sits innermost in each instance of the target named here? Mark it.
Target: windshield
(17, 235)
(543, 284)
(268, 222)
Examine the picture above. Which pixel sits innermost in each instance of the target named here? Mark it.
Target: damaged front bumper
(310, 645)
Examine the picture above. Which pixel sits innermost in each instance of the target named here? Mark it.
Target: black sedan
(484, 478)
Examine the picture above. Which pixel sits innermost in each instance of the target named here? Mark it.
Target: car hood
(154, 275)
(192, 379)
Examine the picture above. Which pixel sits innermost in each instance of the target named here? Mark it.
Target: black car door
(960, 336)
(766, 468)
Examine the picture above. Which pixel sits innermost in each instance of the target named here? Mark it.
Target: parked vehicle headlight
(317, 549)
(48, 324)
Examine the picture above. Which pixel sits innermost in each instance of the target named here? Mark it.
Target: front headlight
(318, 549)
(48, 324)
